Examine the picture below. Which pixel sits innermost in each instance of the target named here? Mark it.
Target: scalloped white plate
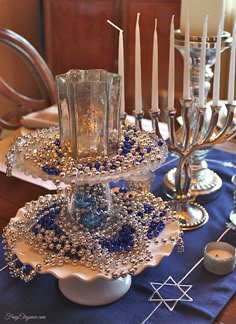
(28, 255)
(88, 287)
(17, 151)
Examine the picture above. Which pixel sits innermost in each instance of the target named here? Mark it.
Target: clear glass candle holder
(89, 112)
(90, 205)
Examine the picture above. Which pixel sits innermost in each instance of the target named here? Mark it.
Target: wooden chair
(41, 74)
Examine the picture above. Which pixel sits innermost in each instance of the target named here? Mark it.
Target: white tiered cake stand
(79, 283)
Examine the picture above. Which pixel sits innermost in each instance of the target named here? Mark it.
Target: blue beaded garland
(51, 170)
(155, 228)
(93, 217)
(57, 142)
(148, 208)
(122, 241)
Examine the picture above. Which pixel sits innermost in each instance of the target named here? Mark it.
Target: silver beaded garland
(80, 245)
(46, 159)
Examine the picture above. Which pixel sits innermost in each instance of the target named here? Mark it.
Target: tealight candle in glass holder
(89, 112)
(219, 258)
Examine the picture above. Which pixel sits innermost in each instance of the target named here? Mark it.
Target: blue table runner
(41, 299)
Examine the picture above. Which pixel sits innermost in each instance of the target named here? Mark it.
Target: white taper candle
(171, 72)
(202, 66)
(155, 103)
(216, 79)
(121, 69)
(138, 83)
(186, 81)
(231, 81)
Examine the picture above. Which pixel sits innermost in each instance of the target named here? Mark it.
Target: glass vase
(88, 104)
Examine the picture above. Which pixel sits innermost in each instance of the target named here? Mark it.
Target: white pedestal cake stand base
(94, 293)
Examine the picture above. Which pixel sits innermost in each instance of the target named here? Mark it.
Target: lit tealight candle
(219, 258)
(220, 254)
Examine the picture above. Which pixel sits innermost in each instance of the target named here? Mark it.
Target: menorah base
(205, 186)
(191, 215)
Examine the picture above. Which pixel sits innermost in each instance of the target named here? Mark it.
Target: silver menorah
(205, 183)
(193, 137)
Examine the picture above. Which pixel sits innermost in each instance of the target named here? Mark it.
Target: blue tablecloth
(41, 297)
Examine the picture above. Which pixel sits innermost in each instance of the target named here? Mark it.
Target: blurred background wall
(24, 18)
(65, 28)
(230, 16)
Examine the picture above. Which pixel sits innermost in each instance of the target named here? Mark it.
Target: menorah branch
(138, 120)
(155, 115)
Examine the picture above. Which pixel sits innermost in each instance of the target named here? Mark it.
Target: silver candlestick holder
(205, 183)
(193, 137)
(138, 116)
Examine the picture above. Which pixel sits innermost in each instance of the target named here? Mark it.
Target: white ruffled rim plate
(25, 145)
(28, 255)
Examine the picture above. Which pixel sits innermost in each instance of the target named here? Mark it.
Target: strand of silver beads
(78, 246)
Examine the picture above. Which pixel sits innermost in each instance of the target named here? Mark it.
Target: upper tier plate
(41, 155)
